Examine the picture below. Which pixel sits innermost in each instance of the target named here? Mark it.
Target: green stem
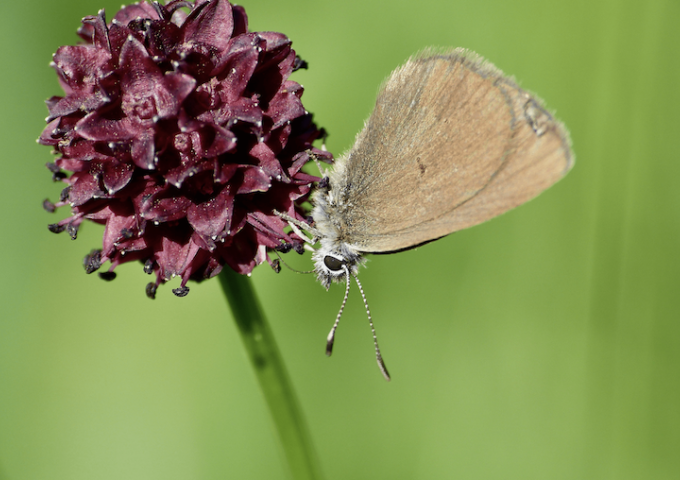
(271, 374)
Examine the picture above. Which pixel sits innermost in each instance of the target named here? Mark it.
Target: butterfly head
(334, 261)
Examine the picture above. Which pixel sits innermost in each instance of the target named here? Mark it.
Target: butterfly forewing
(451, 143)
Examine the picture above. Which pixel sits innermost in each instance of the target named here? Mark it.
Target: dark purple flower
(182, 134)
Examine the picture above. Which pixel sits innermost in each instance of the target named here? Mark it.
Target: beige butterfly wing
(451, 143)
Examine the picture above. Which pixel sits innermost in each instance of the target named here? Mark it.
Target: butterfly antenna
(378, 356)
(331, 335)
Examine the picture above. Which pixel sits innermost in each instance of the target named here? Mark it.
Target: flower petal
(164, 207)
(116, 175)
(177, 86)
(211, 23)
(106, 126)
(240, 20)
(212, 217)
(79, 67)
(240, 254)
(78, 101)
(286, 104)
(267, 160)
(84, 187)
(94, 31)
(174, 254)
(143, 150)
(132, 12)
(254, 180)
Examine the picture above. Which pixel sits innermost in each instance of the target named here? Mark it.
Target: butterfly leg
(298, 226)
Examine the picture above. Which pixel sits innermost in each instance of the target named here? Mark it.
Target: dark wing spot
(420, 166)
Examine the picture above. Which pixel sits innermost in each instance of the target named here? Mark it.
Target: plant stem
(264, 355)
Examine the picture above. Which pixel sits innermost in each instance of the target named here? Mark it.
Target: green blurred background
(544, 344)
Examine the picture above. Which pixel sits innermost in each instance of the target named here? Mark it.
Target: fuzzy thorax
(333, 251)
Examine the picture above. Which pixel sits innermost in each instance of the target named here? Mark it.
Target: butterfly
(452, 142)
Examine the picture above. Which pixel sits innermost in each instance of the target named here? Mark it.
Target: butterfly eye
(332, 263)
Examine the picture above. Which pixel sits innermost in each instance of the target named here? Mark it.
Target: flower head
(182, 135)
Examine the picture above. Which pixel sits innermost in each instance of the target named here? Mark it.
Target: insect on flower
(451, 143)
